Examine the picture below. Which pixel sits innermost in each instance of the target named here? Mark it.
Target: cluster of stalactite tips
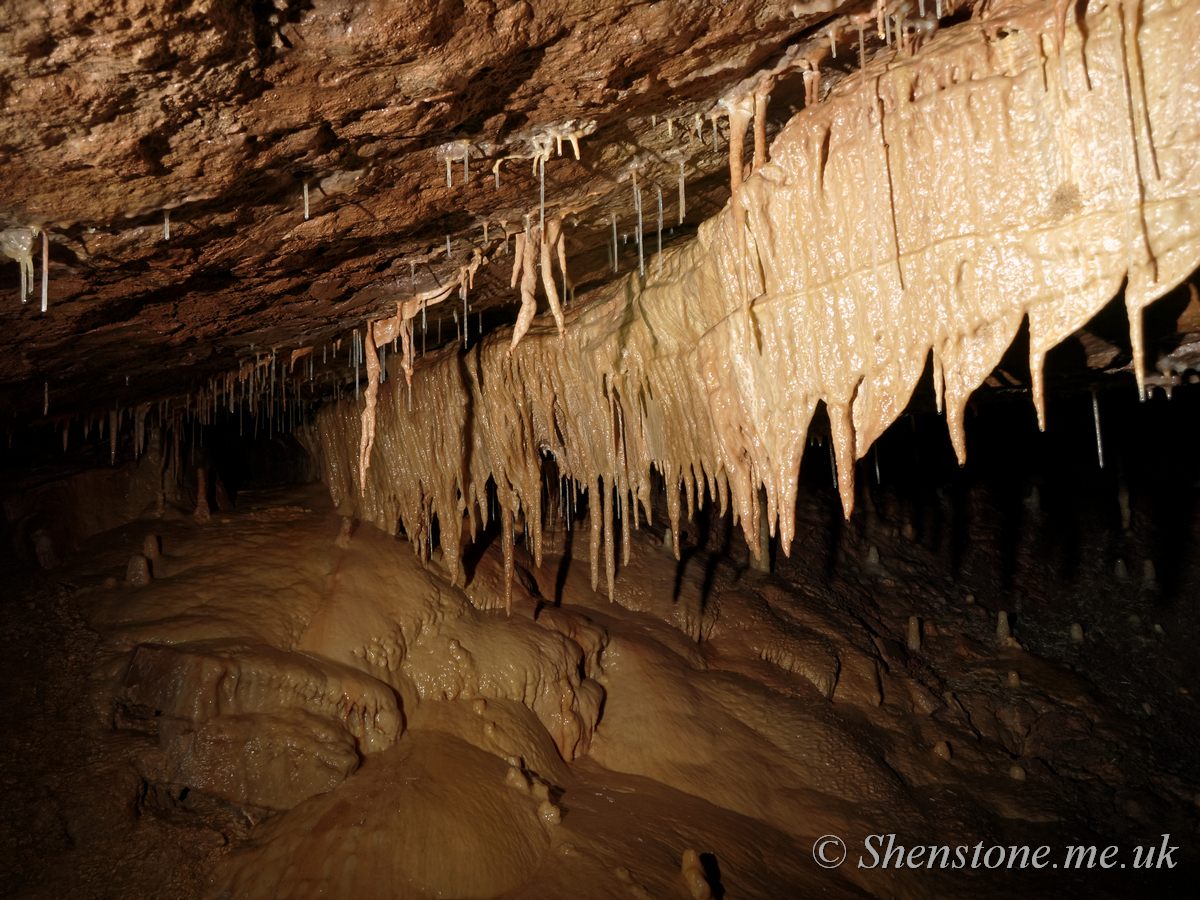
(972, 179)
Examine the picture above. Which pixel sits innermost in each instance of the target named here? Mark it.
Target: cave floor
(712, 707)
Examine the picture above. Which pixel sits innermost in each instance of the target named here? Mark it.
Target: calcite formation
(478, 721)
(930, 204)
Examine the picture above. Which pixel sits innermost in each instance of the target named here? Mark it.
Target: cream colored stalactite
(978, 302)
(17, 244)
(379, 333)
(532, 246)
(761, 98)
(525, 268)
(367, 438)
(298, 354)
(553, 240)
(740, 110)
(560, 247)
(925, 208)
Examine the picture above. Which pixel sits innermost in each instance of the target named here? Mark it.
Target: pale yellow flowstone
(393, 735)
(926, 206)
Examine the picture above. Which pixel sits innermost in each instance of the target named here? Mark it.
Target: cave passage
(533, 451)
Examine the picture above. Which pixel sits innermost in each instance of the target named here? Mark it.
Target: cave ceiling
(220, 115)
(217, 114)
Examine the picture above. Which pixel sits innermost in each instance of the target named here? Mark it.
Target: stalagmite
(1096, 418)
(1002, 632)
(1149, 576)
(138, 571)
(549, 813)
(202, 514)
(693, 874)
(306, 201)
(914, 634)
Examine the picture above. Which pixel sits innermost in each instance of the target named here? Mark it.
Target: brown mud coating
(411, 680)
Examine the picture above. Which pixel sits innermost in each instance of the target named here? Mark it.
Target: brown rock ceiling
(219, 112)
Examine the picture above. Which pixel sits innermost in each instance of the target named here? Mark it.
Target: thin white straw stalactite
(45, 270)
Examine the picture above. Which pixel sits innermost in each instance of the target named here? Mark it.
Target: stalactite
(637, 205)
(670, 378)
(660, 226)
(761, 98)
(45, 270)
(615, 251)
(525, 267)
(553, 238)
(682, 197)
(17, 243)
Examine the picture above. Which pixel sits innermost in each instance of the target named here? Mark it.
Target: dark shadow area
(712, 873)
(564, 564)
